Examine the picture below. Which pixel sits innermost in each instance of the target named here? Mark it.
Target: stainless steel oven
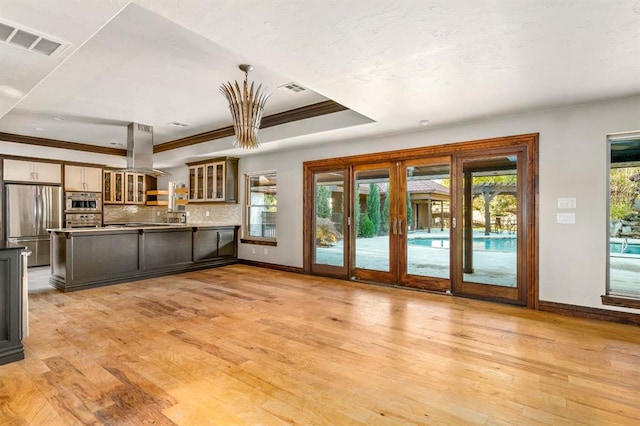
(83, 220)
(83, 202)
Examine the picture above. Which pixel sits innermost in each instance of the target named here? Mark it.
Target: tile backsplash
(222, 214)
(225, 214)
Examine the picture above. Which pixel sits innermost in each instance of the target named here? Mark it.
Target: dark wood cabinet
(214, 180)
(213, 243)
(11, 301)
(87, 258)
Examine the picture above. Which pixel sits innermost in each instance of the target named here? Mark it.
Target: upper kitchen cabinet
(126, 188)
(82, 178)
(134, 188)
(31, 171)
(113, 187)
(196, 183)
(214, 180)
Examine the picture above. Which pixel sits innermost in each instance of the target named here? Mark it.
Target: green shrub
(367, 228)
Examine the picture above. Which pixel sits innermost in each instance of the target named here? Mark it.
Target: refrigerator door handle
(35, 211)
(39, 215)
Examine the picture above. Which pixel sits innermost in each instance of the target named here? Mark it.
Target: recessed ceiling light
(114, 143)
(178, 124)
(424, 122)
(59, 118)
(40, 129)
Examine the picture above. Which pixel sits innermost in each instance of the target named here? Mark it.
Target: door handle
(400, 226)
(453, 223)
(395, 226)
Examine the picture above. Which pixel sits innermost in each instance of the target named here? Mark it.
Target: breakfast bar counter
(90, 257)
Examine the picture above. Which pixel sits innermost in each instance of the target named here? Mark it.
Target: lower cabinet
(86, 258)
(212, 243)
(11, 304)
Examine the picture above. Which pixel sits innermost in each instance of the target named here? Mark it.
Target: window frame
(614, 298)
(247, 237)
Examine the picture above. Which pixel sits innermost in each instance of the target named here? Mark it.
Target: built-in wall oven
(83, 209)
(83, 220)
(83, 202)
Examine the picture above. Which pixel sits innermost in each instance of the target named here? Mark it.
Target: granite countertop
(139, 226)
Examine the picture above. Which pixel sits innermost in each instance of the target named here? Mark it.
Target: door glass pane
(200, 182)
(140, 188)
(429, 219)
(220, 181)
(108, 196)
(192, 183)
(490, 211)
(624, 218)
(329, 214)
(210, 180)
(130, 188)
(118, 191)
(372, 222)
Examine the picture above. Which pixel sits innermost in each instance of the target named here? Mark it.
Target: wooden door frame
(528, 141)
(486, 291)
(387, 277)
(309, 223)
(419, 281)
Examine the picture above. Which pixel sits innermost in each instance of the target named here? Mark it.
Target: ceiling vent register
(294, 87)
(29, 40)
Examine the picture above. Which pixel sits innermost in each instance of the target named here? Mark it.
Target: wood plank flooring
(244, 345)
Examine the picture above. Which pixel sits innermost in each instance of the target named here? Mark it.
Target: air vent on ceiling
(294, 87)
(29, 39)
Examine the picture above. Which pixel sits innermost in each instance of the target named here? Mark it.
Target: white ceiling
(392, 63)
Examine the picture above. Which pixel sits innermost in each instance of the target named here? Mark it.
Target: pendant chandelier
(246, 106)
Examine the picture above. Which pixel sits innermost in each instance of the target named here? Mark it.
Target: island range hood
(140, 150)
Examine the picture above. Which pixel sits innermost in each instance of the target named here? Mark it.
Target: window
(624, 220)
(262, 199)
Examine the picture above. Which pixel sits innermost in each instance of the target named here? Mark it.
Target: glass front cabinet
(214, 180)
(113, 187)
(124, 188)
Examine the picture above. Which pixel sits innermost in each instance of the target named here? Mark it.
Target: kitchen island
(91, 257)
(11, 302)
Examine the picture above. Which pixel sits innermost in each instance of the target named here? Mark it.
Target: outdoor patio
(490, 267)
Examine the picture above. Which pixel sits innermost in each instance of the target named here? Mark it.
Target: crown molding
(302, 113)
(53, 143)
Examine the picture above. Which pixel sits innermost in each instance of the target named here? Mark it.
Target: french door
(459, 222)
(491, 214)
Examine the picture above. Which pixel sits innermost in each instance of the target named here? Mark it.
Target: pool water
(620, 248)
(479, 243)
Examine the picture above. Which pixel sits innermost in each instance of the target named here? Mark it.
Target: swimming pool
(624, 248)
(507, 244)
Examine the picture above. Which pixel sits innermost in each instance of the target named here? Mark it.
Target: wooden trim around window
(528, 143)
(259, 242)
(589, 313)
(625, 302)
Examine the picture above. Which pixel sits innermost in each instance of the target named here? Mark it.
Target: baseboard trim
(271, 266)
(590, 313)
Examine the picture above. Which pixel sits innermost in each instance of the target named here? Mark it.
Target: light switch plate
(566, 218)
(567, 203)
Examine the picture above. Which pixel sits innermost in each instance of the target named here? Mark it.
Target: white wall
(573, 156)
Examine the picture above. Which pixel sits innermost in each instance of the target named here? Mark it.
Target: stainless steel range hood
(140, 150)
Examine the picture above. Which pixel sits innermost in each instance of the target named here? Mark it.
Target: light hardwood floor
(244, 345)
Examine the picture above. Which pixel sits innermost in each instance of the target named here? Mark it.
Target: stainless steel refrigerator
(30, 211)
